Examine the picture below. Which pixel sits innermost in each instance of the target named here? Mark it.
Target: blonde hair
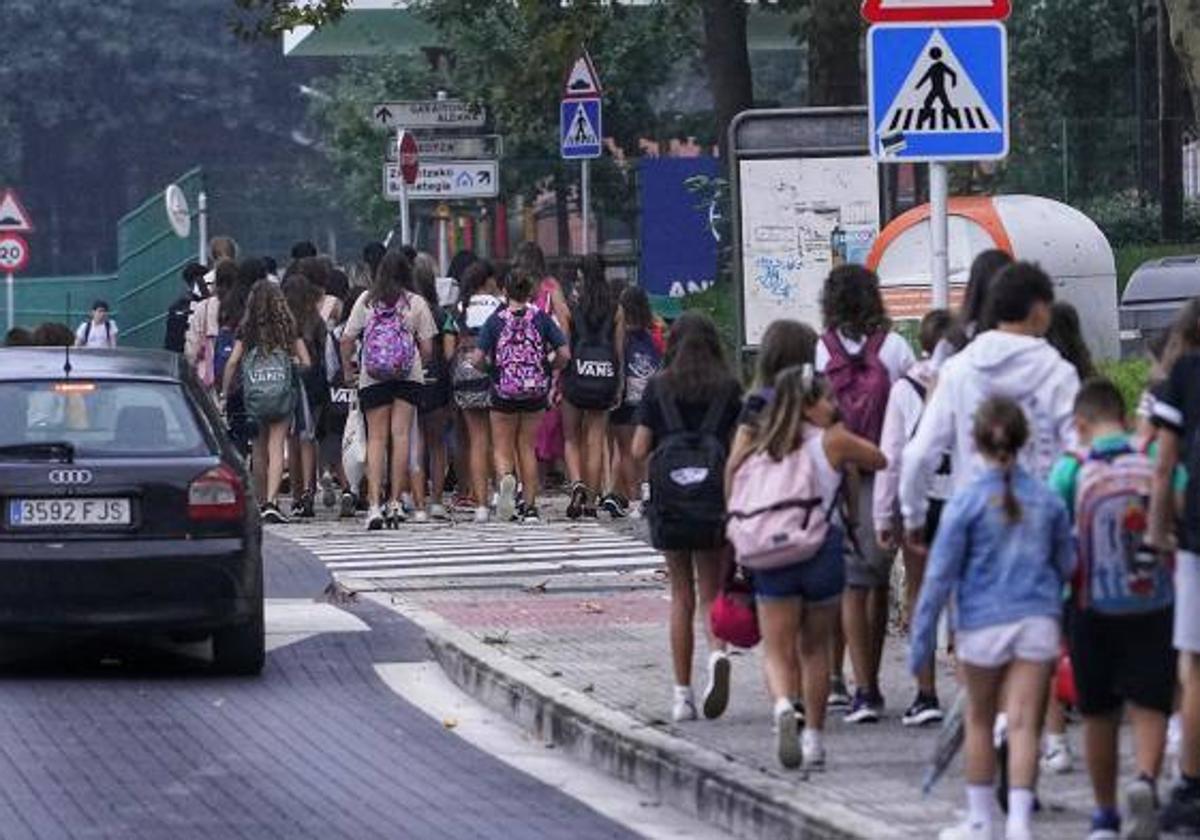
(797, 389)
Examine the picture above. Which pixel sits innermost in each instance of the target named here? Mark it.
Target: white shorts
(1187, 602)
(1035, 639)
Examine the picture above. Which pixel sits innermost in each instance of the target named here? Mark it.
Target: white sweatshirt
(1025, 369)
(904, 409)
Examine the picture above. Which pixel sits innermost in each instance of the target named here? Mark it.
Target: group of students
(490, 377)
(1059, 536)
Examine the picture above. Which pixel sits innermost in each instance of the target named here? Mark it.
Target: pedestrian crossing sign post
(580, 129)
(938, 92)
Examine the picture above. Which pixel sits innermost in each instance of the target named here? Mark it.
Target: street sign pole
(202, 228)
(585, 196)
(9, 304)
(939, 218)
(405, 228)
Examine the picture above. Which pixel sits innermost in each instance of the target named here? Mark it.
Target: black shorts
(385, 393)
(933, 518)
(504, 406)
(1123, 657)
(624, 415)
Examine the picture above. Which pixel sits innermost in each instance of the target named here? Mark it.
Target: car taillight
(216, 496)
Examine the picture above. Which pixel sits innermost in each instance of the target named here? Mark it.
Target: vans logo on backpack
(689, 476)
(597, 369)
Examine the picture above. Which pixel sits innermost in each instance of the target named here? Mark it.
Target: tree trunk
(834, 37)
(727, 57)
(1170, 135)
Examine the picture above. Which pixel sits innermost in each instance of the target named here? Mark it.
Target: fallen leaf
(501, 639)
(589, 688)
(591, 607)
(538, 588)
(449, 723)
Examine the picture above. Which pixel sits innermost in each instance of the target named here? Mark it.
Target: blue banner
(679, 250)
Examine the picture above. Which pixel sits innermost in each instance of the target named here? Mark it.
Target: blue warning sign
(580, 129)
(938, 92)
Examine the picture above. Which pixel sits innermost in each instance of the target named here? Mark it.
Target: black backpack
(593, 379)
(687, 480)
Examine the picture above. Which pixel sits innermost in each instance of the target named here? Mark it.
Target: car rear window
(102, 419)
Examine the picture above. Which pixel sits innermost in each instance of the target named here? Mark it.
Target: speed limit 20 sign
(14, 253)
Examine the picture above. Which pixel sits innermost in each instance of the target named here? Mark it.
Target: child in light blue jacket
(1003, 552)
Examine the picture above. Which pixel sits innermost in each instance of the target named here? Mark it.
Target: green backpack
(268, 388)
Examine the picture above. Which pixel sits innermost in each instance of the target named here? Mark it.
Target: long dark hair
(425, 280)
(635, 306)
(695, 369)
(304, 299)
(530, 259)
(1001, 432)
(1066, 336)
(984, 269)
(852, 304)
(231, 294)
(392, 279)
(475, 277)
(596, 303)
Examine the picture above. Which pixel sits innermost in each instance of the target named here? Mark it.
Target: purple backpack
(520, 358)
(861, 383)
(389, 348)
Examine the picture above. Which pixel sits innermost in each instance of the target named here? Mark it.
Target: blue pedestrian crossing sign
(938, 92)
(580, 129)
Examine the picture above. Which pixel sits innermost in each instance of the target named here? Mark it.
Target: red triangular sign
(582, 82)
(917, 11)
(14, 218)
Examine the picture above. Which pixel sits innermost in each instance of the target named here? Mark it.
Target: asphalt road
(138, 741)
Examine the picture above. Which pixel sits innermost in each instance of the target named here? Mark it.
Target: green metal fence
(150, 257)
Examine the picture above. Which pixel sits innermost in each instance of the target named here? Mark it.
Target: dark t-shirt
(1177, 409)
(691, 413)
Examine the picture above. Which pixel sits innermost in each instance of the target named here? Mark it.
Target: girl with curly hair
(268, 345)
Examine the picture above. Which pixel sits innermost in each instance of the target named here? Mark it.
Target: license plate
(48, 513)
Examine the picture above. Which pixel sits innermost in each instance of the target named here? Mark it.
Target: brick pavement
(608, 641)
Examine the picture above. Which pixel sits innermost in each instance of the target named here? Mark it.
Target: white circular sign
(14, 253)
(178, 212)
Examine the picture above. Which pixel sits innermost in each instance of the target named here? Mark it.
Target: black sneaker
(798, 706)
(923, 711)
(272, 515)
(579, 498)
(863, 708)
(1182, 813)
(615, 505)
(348, 506)
(529, 515)
(307, 507)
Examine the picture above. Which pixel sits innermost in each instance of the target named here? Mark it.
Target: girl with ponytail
(1004, 552)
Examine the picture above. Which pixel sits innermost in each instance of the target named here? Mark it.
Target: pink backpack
(861, 383)
(389, 348)
(520, 358)
(776, 514)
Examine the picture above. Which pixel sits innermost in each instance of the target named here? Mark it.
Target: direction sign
(446, 180)
(431, 147)
(583, 82)
(14, 253)
(432, 113)
(13, 216)
(895, 11)
(938, 92)
(580, 129)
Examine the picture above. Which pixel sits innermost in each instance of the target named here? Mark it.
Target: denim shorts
(815, 581)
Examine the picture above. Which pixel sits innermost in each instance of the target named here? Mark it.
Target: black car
(123, 505)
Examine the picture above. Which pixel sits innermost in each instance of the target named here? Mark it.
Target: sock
(783, 705)
(811, 739)
(1055, 741)
(1000, 729)
(979, 804)
(1020, 807)
(683, 692)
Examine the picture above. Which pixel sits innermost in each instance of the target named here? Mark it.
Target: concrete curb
(714, 787)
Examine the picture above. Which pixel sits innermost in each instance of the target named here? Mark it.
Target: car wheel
(241, 650)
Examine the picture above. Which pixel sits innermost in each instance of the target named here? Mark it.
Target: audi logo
(70, 477)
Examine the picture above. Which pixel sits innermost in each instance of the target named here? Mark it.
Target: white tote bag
(354, 447)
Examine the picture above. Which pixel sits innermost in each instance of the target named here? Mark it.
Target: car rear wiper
(57, 450)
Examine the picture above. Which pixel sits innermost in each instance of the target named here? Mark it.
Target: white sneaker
(787, 739)
(438, 512)
(716, 694)
(1057, 757)
(506, 503)
(971, 831)
(1174, 743)
(812, 749)
(1015, 833)
(375, 518)
(1141, 811)
(684, 707)
(482, 515)
(420, 517)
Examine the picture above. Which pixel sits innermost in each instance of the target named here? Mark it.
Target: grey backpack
(268, 387)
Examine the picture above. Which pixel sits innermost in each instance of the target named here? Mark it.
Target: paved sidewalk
(608, 644)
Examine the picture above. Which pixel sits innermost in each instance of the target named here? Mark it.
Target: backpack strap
(874, 345)
(833, 344)
(712, 417)
(921, 390)
(670, 412)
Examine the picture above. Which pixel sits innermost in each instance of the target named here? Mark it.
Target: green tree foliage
(254, 19)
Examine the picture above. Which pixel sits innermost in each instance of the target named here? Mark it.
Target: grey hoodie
(1027, 370)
